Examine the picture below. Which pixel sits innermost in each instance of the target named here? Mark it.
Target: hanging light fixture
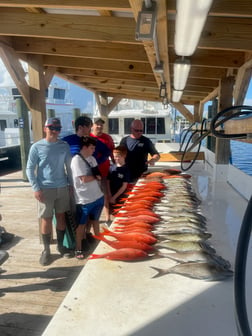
(162, 90)
(190, 20)
(176, 95)
(165, 102)
(146, 22)
(181, 70)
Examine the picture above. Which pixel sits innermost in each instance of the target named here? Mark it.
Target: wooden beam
(119, 5)
(37, 88)
(207, 72)
(211, 96)
(117, 82)
(83, 49)
(213, 58)
(108, 65)
(242, 81)
(177, 156)
(16, 71)
(157, 50)
(238, 126)
(76, 27)
(106, 75)
(226, 8)
(184, 111)
(197, 116)
(222, 33)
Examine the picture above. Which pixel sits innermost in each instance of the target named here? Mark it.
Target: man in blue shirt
(49, 172)
(83, 125)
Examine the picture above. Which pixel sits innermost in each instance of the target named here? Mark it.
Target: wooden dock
(30, 294)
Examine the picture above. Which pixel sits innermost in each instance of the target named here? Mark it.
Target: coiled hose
(240, 273)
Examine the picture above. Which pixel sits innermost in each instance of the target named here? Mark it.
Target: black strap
(95, 170)
(85, 160)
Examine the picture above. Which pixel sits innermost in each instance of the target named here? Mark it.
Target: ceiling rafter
(92, 43)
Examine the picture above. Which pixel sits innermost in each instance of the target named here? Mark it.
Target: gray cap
(53, 122)
(99, 121)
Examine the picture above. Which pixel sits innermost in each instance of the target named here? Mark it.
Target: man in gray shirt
(48, 170)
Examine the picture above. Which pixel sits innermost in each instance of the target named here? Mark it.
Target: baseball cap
(53, 122)
(99, 121)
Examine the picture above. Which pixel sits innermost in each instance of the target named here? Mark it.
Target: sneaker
(85, 245)
(79, 255)
(90, 238)
(45, 258)
(65, 252)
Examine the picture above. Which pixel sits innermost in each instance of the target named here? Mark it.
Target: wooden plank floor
(29, 293)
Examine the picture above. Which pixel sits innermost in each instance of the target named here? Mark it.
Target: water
(242, 156)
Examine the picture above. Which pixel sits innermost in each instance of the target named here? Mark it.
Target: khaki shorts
(56, 199)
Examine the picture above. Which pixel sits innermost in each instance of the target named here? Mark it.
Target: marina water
(241, 156)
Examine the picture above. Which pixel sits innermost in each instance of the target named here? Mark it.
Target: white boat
(157, 120)
(157, 123)
(58, 103)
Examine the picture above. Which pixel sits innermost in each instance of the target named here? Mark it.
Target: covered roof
(92, 43)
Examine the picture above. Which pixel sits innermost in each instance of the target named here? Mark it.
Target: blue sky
(83, 98)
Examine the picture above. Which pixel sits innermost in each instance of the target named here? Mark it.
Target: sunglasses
(54, 128)
(138, 130)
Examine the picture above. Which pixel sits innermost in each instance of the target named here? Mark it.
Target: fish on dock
(197, 270)
(196, 256)
(185, 237)
(182, 246)
(119, 244)
(123, 254)
(137, 236)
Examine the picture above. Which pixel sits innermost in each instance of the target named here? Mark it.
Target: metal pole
(24, 133)
(50, 113)
(76, 113)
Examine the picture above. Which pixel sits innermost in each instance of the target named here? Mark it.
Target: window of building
(127, 125)
(113, 126)
(59, 93)
(160, 125)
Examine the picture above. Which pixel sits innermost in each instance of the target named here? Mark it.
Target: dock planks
(30, 294)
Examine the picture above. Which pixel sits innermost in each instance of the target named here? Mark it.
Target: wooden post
(24, 133)
(223, 151)
(212, 111)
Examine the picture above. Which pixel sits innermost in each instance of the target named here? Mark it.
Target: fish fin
(100, 237)
(160, 272)
(94, 256)
(106, 231)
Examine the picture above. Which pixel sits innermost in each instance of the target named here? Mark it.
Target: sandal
(79, 255)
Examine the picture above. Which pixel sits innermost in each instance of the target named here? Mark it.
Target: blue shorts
(90, 211)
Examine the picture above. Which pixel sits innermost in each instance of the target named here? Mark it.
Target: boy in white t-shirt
(89, 198)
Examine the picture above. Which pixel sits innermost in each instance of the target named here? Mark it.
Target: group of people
(87, 167)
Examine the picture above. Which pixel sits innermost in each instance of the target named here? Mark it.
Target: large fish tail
(100, 237)
(160, 272)
(106, 231)
(95, 256)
